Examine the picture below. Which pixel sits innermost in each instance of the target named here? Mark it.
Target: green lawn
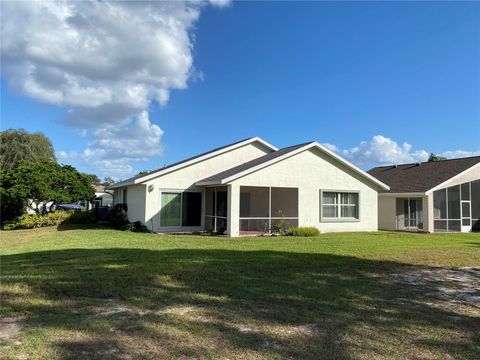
(98, 293)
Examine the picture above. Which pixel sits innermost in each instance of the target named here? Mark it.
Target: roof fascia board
(202, 158)
(403, 194)
(439, 186)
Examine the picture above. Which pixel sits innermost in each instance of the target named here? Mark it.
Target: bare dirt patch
(453, 289)
(10, 327)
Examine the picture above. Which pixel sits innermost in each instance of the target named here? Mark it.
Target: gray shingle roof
(421, 177)
(217, 178)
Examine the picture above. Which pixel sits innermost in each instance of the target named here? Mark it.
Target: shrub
(37, 221)
(303, 231)
(81, 217)
(137, 226)
(117, 218)
(51, 219)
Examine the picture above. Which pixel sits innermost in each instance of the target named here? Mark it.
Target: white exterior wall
(185, 178)
(387, 212)
(310, 172)
(136, 202)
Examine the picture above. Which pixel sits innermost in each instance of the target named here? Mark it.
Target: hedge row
(51, 219)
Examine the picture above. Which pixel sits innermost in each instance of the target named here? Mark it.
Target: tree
(41, 182)
(107, 181)
(433, 158)
(143, 172)
(94, 179)
(18, 144)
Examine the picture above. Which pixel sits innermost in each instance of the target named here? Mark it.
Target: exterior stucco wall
(310, 172)
(391, 216)
(136, 203)
(184, 179)
(387, 212)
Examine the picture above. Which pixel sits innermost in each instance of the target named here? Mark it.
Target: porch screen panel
(170, 209)
(465, 191)
(440, 204)
(453, 194)
(475, 202)
(192, 209)
(284, 202)
(209, 201)
(254, 201)
(221, 201)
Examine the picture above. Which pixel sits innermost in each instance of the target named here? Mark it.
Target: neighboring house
(102, 197)
(431, 196)
(251, 187)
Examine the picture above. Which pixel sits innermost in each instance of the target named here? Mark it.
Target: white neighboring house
(437, 196)
(251, 187)
(102, 197)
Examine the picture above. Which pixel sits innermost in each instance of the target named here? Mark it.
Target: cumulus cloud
(381, 150)
(104, 61)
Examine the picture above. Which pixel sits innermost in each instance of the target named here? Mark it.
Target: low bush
(117, 218)
(81, 217)
(50, 219)
(303, 231)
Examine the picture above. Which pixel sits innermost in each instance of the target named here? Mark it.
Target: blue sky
(378, 82)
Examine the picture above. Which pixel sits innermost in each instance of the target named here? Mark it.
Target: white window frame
(339, 217)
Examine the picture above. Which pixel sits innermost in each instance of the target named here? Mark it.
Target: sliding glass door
(413, 213)
(181, 209)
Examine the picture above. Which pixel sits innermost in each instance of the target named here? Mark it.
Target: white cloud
(381, 150)
(105, 61)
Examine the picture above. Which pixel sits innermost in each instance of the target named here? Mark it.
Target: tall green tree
(41, 182)
(18, 144)
(433, 158)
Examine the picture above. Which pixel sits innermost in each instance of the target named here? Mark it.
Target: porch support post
(233, 222)
(429, 213)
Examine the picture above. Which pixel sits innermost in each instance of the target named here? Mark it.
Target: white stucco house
(440, 196)
(252, 187)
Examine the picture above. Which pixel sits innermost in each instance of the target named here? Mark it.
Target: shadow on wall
(218, 303)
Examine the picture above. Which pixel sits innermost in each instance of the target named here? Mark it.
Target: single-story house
(252, 187)
(434, 196)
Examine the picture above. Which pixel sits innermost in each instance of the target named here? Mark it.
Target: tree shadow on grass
(113, 303)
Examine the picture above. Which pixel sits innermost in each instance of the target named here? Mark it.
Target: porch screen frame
(270, 219)
(214, 210)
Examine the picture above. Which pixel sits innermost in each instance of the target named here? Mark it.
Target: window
(181, 209)
(339, 205)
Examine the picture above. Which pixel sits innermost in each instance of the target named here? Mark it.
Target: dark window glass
(440, 204)
(465, 191)
(475, 199)
(453, 225)
(170, 209)
(466, 209)
(475, 225)
(192, 209)
(440, 225)
(454, 202)
(284, 202)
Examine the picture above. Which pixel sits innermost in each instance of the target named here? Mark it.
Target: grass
(99, 293)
